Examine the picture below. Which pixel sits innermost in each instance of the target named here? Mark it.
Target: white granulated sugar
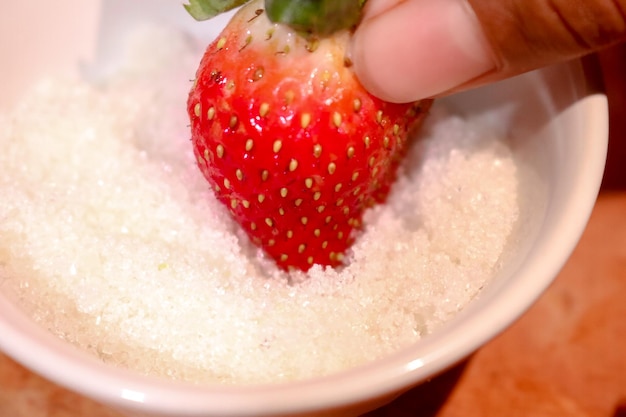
(111, 237)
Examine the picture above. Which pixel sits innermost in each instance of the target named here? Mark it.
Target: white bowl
(559, 128)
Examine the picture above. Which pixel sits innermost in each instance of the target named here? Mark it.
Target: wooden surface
(565, 357)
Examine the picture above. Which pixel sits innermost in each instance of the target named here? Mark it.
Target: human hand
(405, 50)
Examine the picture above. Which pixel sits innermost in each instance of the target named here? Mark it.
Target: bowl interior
(557, 128)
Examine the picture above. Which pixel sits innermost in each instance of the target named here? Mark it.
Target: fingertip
(417, 49)
(366, 50)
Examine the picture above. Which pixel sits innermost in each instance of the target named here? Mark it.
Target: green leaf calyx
(315, 17)
(206, 9)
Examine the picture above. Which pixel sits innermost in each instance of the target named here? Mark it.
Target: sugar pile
(112, 240)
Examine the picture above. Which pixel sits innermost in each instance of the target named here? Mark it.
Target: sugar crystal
(113, 240)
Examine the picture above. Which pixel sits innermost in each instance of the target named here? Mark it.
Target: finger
(418, 48)
(423, 48)
(528, 34)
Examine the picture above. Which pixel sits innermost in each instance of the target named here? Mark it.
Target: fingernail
(419, 49)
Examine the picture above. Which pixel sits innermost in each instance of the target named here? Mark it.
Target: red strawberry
(288, 138)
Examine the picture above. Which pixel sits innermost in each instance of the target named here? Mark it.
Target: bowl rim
(121, 388)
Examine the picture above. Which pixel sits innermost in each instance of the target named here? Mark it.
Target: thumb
(406, 50)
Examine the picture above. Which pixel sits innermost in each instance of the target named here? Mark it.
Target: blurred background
(613, 64)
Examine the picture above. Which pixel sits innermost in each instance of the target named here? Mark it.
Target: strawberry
(285, 134)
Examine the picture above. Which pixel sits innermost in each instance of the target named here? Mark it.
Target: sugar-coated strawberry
(287, 137)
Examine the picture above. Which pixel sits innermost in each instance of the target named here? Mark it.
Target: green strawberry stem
(316, 17)
(311, 17)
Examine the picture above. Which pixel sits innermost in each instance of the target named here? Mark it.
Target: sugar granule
(113, 241)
